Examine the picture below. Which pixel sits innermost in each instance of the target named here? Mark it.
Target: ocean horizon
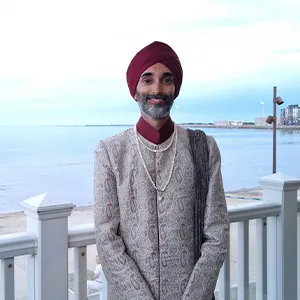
(59, 159)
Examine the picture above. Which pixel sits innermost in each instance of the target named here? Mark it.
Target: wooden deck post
(282, 232)
(48, 269)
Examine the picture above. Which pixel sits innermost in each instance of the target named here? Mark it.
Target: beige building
(221, 123)
(228, 123)
(290, 115)
(261, 122)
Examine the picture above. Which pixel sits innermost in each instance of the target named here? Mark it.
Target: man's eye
(146, 80)
(168, 80)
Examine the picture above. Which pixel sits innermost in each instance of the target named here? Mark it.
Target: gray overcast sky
(64, 62)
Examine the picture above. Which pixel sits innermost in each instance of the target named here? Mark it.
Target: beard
(155, 111)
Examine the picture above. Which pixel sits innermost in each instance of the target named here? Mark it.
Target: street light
(262, 108)
(273, 119)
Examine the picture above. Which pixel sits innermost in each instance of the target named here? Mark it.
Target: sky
(63, 62)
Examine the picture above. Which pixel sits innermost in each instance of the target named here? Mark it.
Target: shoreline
(239, 193)
(14, 222)
(247, 125)
(268, 127)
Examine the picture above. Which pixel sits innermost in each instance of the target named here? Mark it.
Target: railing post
(7, 277)
(48, 269)
(103, 292)
(298, 253)
(282, 188)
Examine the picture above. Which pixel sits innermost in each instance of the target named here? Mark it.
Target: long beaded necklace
(156, 150)
(138, 140)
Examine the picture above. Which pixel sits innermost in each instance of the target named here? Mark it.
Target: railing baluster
(261, 259)
(103, 293)
(31, 277)
(298, 251)
(7, 282)
(224, 279)
(80, 273)
(243, 260)
(272, 257)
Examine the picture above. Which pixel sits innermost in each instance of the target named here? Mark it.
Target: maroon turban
(156, 52)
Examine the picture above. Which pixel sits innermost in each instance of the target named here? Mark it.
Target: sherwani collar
(151, 134)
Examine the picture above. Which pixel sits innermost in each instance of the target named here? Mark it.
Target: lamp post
(262, 108)
(273, 119)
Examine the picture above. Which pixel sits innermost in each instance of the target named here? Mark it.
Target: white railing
(81, 236)
(263, 214)
(48, 239)
(276, 244)
(11, 246)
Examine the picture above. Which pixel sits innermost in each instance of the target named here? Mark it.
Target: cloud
(62, 53)
(58, 40)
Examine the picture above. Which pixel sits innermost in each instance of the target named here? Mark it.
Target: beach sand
(16, 221)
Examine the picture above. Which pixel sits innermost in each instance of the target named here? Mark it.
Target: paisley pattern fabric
(144, 237)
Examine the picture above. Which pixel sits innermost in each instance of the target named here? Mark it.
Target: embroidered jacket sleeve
(122, 274)
(204, 277)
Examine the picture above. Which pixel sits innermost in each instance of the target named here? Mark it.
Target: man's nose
(156, 88)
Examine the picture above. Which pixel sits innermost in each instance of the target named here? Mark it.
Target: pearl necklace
(155, 150)
(144, 164)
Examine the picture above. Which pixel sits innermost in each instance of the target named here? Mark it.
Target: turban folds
(157, 52)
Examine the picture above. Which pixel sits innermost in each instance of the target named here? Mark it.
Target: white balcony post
(103, 292)
(48, 269)
(7, 277)
(282, 188)
(298, 254)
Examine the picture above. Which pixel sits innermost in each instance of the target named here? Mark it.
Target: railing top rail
(81, 235)
(84, 235)
(17, 244)
(25, 243)
(252, 211)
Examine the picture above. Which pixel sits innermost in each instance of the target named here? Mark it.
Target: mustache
(157, 97)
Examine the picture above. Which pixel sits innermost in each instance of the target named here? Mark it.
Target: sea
(59, 160)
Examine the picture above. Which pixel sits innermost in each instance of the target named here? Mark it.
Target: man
(95, 284)
(160, 213)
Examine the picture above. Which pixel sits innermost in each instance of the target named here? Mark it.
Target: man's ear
(135, 97)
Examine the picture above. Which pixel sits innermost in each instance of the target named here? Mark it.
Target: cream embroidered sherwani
(145, 238)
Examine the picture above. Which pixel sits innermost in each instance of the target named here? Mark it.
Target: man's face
(155, 91)
(97, 260)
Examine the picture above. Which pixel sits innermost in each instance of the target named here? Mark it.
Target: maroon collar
(151, 134)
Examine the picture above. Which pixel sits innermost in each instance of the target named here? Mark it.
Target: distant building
(290, 115)
(282, 116)
(235, 123)
(221, 123)
(261, 121)
(228, 123)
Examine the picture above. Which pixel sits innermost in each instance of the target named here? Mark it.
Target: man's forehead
(157, 68)
(163, 74)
